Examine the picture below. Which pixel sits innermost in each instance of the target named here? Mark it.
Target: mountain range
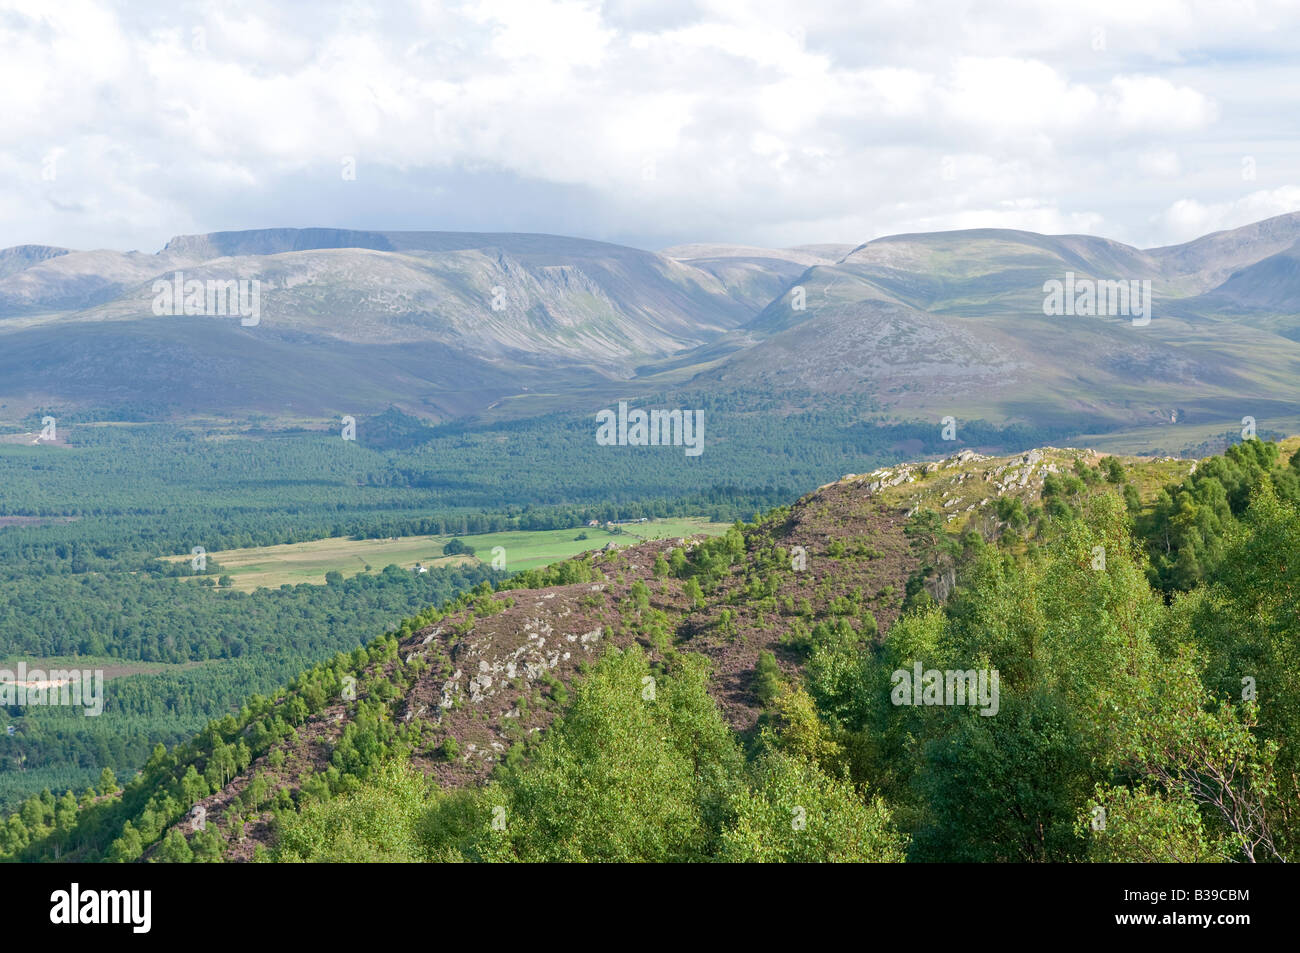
(448, 325)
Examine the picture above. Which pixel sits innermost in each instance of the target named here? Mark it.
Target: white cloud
(761, 119)
(1008, 96)
(1161, 163)
(1156, 104)
(1187, 218)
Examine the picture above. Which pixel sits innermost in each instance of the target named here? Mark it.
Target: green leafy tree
(175, 849)
(1138, 826)
(107, 781)
(377, 823)
(638, 770)
(457, 547)
(795, 813)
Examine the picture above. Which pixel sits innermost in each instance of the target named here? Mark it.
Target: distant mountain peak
(20, 257)
(274, 241)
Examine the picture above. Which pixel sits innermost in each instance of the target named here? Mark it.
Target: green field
(274, 566)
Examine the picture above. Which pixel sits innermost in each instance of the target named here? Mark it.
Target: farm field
(291, 564)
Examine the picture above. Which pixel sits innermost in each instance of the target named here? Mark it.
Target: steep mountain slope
(630, 277)
(1206, 262)
(965, 272)
(755, 275)
(76, 280)
(369, 317)
(953, 324)
(450, 324)
(22, 257)
(1271, 286)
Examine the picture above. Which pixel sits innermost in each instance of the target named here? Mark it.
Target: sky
(646, 122)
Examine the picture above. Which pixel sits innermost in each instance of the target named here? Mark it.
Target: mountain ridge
(451, 324)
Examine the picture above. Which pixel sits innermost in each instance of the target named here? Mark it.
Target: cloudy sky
(649, 122)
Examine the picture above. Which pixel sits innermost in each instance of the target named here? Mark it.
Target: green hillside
(670, 702)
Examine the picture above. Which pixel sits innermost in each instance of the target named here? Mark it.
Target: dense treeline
(1188, 531)
(248, 642)
(176, 620)
(142, 490)
(1132, 726)
(118, 824)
